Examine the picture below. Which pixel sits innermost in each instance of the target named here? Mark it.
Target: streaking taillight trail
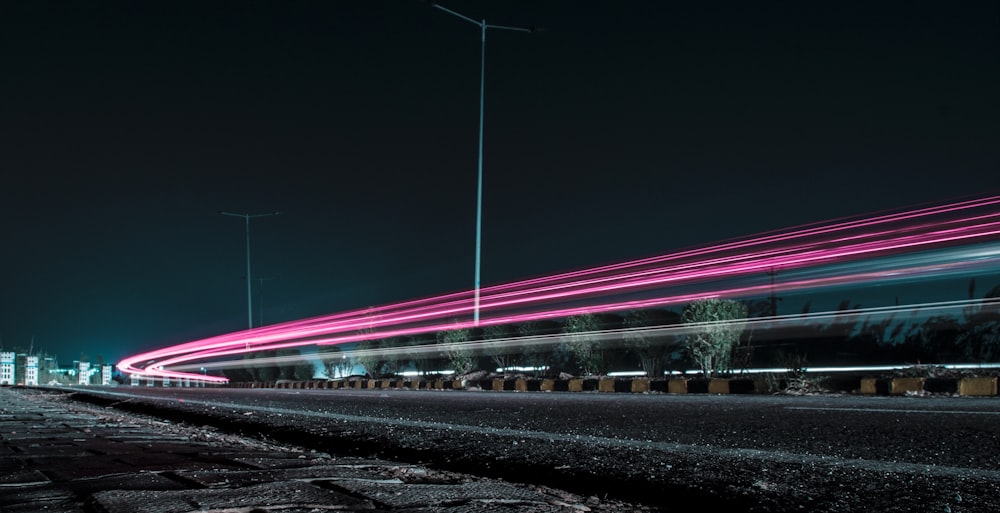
(722, 270)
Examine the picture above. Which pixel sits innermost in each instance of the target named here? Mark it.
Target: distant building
(7, 375)
(31, 371)
(83, 373)
(49, 371)
(106, 375)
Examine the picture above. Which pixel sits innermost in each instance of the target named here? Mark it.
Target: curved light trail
(615, 337)
(936, 241)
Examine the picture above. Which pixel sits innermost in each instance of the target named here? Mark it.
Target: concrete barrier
(882, 386)
(869, 386)
(718, 386)
(973, 386)
(982, 386)
(900, 386)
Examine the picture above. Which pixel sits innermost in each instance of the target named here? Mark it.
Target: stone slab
(220, 479)
(23, 477)
(431, 495)
(10, 497)
(268, 497)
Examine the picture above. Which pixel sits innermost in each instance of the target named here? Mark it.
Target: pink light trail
(810, 246)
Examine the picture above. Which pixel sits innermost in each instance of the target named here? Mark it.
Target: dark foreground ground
(64, 456)
(729, 453)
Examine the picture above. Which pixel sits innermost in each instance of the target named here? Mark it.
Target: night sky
(623, 129)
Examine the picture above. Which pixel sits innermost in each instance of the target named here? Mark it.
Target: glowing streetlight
(479, 186)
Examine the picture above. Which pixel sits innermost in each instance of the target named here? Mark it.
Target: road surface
(748, 453)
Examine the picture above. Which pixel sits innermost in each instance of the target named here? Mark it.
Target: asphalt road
(747, 453)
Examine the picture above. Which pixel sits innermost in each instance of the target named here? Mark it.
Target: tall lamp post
(247, 218)
(479, 185)
(260, 297)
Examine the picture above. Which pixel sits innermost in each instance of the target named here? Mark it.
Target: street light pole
(260, 297)
(479, 184)
(247, 217)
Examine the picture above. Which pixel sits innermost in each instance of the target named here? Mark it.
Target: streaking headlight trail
(943, 240)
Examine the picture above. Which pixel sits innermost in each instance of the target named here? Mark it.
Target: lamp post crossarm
(505, 27)
(464, 17)
(249, 216)
(483, 23)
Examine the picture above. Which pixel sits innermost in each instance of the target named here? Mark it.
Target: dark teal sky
(624, 129)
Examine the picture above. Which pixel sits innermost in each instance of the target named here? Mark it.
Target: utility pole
(479, 184)
(260, 297)
(247, 218)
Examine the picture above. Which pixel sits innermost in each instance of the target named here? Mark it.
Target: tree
(286, 369)
(423, 360)
(652, 349)
(262, 371)
(534, 352)
(335, 363)
(237, 374)
(393, 360)
(503, 356)
(980, 337)
(456, 350)
(743, 354)
(717, 326)
(369, 357)
(248, 369)
(581, 344)
(936, 340)
(292, 366)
